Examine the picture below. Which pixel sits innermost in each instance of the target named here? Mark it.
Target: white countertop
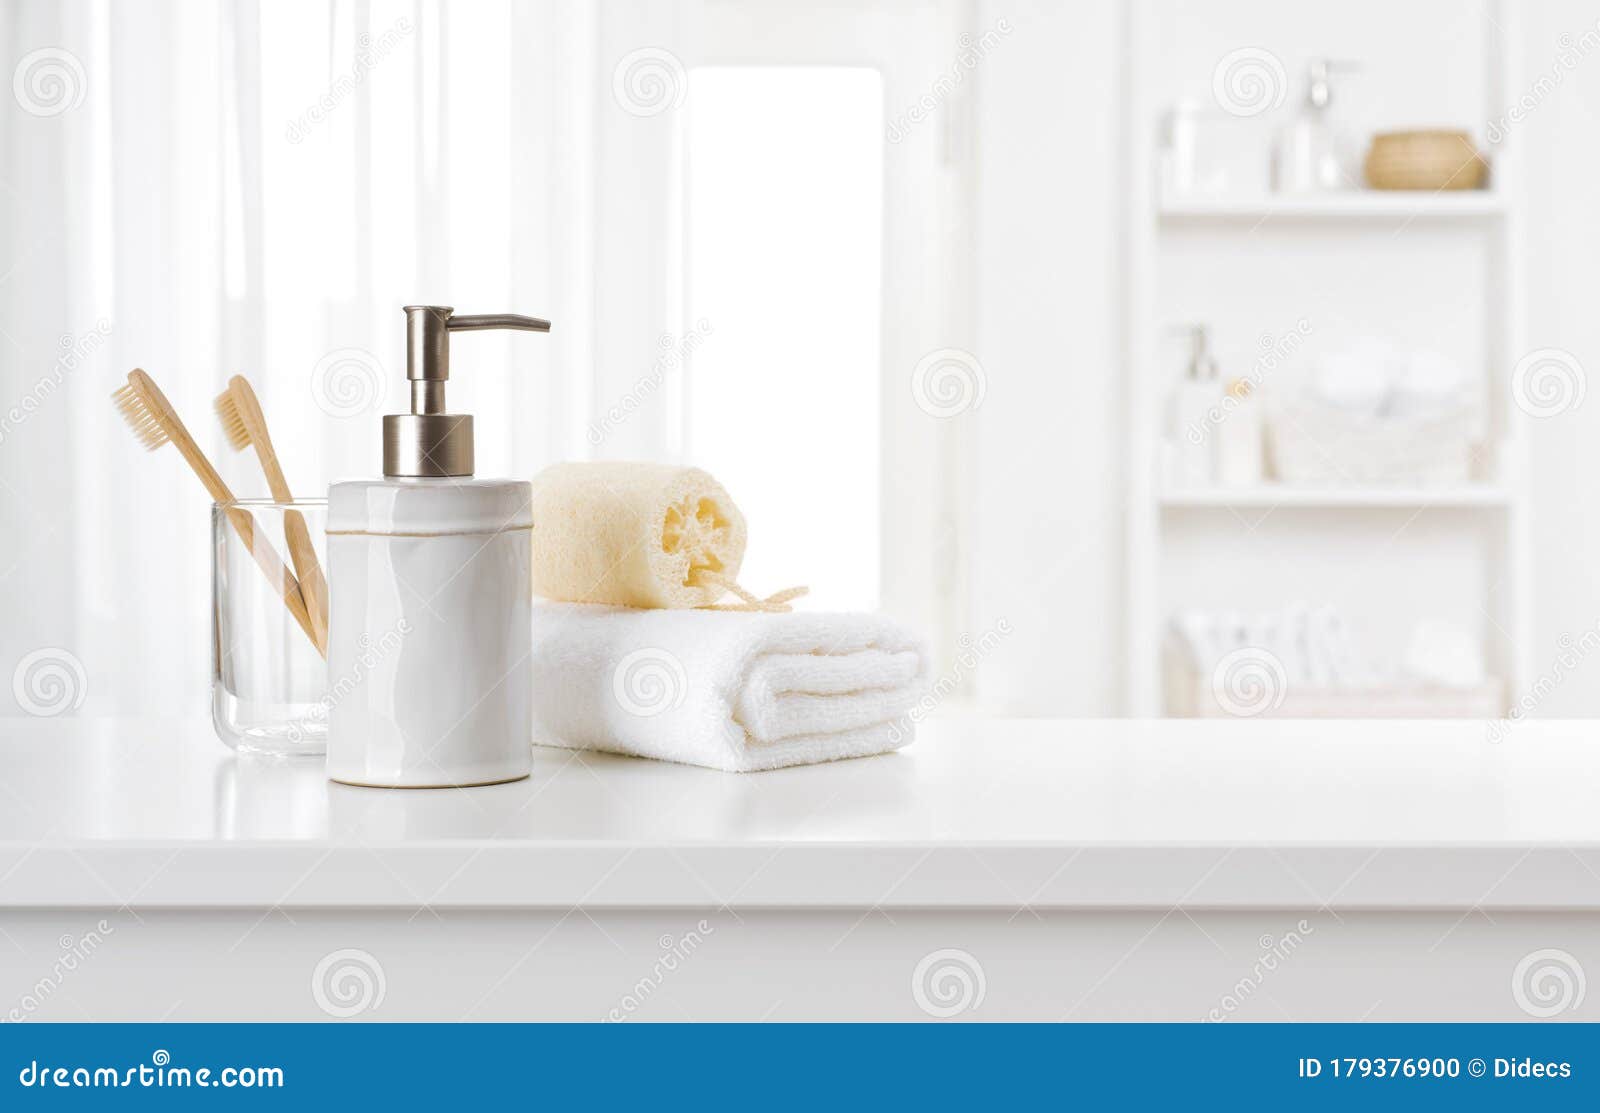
(979, 814)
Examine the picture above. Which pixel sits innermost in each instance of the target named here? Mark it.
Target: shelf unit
(1492, 513)
(1396, 207)
(1272, 496)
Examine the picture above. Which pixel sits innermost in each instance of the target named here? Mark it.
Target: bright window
(783, 254)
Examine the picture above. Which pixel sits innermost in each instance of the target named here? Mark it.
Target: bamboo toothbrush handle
(255, 423)
(285, 584)
(215, 487)
(313, 588)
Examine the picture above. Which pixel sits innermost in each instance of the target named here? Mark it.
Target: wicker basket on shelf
(1321, 446)
(1429, 160)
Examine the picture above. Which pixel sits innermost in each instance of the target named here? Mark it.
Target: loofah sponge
(634, 535)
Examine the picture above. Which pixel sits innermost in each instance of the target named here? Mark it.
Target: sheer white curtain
(210, 189)
(204, 190)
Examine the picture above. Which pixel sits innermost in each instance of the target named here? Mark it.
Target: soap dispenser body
(428, 633)
(1309, 155)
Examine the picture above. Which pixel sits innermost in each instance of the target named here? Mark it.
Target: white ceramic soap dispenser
(1309, 155)
(429, 586)
(1192, 412)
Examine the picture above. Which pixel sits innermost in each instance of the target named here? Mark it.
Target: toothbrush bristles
(233, 426)
(137, 414)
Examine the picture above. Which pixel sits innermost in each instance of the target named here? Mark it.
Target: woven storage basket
(1189, 691)
(1430, 160)
(1321, 445)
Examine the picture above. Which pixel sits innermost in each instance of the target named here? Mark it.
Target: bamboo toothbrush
(154, 423)
(244, 424)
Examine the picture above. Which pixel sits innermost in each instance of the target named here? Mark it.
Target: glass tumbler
(269, 683)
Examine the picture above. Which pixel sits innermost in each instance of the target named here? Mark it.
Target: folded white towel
(729, 690)
(1356, 376)
(1429, 384)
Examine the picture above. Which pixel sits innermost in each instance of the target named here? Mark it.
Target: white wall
(1050, 430)
(1561, 164)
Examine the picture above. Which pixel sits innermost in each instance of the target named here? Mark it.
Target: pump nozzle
(1319, 91)
(1202, 366)
(428, 442)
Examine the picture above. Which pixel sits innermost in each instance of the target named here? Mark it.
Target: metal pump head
(1202, 366)
(428, 442)
(1319, 86)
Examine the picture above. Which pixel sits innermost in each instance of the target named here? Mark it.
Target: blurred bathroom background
(1154, 358)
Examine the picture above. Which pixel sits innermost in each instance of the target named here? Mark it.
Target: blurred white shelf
(1270, 495)
(1172, 557)
(1395, 205)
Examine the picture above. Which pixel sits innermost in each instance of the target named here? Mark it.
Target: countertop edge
(1015, 876)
